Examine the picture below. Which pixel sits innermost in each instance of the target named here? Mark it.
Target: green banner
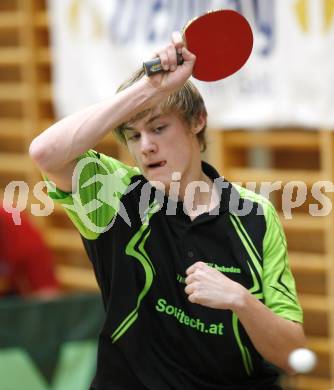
(50, 344)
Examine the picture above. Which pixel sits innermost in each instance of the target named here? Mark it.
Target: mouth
(156, 165)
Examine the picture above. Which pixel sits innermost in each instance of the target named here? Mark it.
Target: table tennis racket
(222, 41)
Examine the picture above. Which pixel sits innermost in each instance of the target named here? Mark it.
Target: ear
(199, 124)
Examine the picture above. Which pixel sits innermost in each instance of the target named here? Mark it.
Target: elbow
(38, 153)
(283, 365)
(282, 357)
(287, 370)
(34, 150)
(289, 366)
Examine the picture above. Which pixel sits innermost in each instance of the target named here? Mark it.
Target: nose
(147, 145)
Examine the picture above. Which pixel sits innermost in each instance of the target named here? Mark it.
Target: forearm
(273, 336)
(64, 141)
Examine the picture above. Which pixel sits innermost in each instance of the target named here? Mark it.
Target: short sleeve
(278, 282)
(99, 182)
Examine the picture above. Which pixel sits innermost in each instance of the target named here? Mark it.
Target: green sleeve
(99, 182)
(278, 283)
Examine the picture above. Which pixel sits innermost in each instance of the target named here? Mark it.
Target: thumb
(188, 56)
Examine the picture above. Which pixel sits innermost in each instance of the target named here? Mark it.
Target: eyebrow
(146, 123)
(153, 119)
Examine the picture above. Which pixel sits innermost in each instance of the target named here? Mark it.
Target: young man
(196, 296)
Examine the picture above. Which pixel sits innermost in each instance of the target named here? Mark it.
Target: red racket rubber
(222, 41)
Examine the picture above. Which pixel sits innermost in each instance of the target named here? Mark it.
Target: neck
(196, 192)
(192, 176)
(201, 199)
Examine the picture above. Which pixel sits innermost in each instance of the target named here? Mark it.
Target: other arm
(273, 336)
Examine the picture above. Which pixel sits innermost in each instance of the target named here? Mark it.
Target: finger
(193, 298)
(164, 59)
(177, 41)
(191, 269)
(189, 289)
(194, 267)
(193, 287)
(189, 279)
(172, 60)
(187, 55)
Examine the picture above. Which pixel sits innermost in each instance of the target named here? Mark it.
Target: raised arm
(56, 149)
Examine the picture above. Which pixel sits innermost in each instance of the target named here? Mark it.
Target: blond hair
(187, 102)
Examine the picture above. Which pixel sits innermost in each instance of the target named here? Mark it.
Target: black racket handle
(154, 66)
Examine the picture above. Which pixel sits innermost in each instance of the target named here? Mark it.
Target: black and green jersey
(141, 245)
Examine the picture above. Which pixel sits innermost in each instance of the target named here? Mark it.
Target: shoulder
(257, 215)
(262, 205)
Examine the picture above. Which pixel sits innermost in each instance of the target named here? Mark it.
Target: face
(162, 144)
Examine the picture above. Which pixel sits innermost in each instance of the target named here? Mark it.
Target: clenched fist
(207, 286)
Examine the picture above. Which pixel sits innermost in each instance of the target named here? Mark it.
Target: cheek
(182, 149)
(133, 152)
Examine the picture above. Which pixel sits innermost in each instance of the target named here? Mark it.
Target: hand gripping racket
(221, 40)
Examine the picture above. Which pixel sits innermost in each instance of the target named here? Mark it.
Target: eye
(159, 129)
(133, 137)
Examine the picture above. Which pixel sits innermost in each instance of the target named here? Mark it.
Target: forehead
(144, 117)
